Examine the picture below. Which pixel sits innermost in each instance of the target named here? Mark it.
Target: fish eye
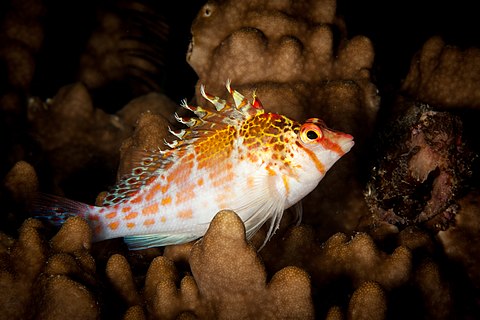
(310, 132)
(312, 135)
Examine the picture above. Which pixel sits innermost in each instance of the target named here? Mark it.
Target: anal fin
(145, 241)
(297, 209)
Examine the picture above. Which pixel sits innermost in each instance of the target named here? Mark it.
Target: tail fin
(56, 210)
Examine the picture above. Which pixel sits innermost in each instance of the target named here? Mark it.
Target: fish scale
(233, 156)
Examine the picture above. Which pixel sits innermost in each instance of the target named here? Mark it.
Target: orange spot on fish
(153, 192)
(131, 215)
(166, 201)
(271, 172)
(185, 214)
(156, 187)
(252, 157)
(137, 199)
(185, 195)
(111, 215)
(163, 219)
(94, 217)
(164, 188)
(149, 222)
(126, 209)
(114, 225)
(200, 182)
(223, 179)
(130, 225)
(181, 172)
(250, 181)
(151, 209)
(151, 179)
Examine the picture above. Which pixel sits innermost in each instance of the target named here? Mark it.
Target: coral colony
(388, 233)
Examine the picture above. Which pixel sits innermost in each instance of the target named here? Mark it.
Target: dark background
(397, 29)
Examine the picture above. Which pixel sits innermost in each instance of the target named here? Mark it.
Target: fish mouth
(346, 142)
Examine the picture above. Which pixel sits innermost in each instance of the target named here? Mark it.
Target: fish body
(234, 156)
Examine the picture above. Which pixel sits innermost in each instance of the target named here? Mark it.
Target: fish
(229, 156)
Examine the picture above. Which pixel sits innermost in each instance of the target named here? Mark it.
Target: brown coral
(21, 36)
(228, 280)
(368, 302)
(358, 258)
(374, 278)
(457, 240)
(114, 55)
(70, 130)
(445, 76)
(285, 52)
(237, 277)
(37, 282)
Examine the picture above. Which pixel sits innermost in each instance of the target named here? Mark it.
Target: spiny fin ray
(216, 101)
(238, 98)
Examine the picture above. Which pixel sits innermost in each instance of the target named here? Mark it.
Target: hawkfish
(231, 155)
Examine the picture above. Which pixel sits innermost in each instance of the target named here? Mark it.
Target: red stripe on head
(318, 164)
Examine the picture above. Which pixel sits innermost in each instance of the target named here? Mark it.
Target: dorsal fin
(208, 121)
(147, 164)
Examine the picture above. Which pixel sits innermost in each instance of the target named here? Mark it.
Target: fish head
(323, 146)
(314, 151)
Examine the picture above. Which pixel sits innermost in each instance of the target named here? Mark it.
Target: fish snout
(345, 141)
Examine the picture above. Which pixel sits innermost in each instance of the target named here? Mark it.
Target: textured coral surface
(390, 233)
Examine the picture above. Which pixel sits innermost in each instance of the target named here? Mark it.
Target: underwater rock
(424, 165)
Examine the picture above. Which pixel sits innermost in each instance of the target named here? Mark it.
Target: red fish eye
(310, 132)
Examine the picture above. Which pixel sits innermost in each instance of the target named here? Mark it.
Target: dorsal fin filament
(188, 121)
(256, 102)
(177, 133)
(216, 101)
